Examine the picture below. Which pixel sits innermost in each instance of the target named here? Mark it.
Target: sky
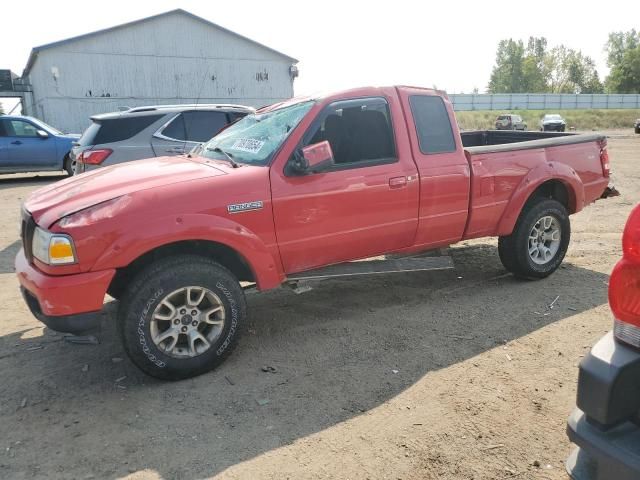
(341, 44)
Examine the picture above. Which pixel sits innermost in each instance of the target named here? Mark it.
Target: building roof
(35, 50)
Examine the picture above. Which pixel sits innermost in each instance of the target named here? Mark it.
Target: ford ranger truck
(297, 186)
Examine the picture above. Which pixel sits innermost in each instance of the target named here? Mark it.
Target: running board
(370, 267)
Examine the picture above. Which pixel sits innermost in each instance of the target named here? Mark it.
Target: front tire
(539, 240)
(181, 317)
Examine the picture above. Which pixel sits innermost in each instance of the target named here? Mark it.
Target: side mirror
(42, 134)
(315, 158)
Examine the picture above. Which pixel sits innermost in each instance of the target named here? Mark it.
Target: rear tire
(69, 166)
(637, 130)
(539, 240)
(180, 317)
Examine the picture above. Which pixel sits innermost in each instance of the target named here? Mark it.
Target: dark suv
(153, 131)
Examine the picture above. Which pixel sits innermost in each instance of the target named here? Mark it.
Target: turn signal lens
(60, 251)
(52, 248)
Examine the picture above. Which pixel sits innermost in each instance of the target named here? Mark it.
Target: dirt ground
(460, 374)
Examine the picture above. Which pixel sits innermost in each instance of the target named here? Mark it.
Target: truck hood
(49, 204)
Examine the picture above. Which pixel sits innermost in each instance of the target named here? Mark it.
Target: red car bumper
(67, 303)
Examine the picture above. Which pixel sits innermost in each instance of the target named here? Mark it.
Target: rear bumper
(66, 302)
(603, 455)
(603, 425)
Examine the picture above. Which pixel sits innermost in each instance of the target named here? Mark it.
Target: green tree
(569, 71)
(534, 73)
(623, 59)
(535, 69)
(507, 73)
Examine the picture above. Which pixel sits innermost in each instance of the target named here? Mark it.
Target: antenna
(204, 78)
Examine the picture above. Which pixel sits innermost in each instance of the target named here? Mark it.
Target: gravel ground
(461, 374)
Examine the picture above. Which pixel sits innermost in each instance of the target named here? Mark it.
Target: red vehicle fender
(161, 231)
(548, 171)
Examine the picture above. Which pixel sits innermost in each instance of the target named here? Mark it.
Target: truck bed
(486, 141)
(501, 160)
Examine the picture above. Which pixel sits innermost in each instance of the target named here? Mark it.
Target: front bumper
(604, 424)
(78, 323)
(67, 303)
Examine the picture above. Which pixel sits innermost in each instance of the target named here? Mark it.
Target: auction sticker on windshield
(249, 145)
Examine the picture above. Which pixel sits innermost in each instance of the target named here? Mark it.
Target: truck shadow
(7, 256)
(333, 349)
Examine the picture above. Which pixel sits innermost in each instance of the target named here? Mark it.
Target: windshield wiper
(233, 163)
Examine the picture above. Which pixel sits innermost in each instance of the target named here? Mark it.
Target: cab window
(433, 125)
(359, 132)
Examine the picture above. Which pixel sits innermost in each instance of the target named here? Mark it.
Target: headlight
(52, 248)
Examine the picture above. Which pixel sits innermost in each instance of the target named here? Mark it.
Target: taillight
(604, 160)
(94, 157)
(624, 284)
(631, 237)
(624, 292)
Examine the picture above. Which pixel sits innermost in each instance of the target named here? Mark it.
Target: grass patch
(580, 119)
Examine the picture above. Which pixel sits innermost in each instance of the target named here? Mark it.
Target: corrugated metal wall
(547, 101)
(170, 59)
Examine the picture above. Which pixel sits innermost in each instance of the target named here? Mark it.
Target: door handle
(397, 182)
(175, 150)
(16, 142)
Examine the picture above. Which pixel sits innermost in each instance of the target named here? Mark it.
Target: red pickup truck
(300, 185)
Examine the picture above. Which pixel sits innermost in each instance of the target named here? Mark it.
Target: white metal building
(174, 57)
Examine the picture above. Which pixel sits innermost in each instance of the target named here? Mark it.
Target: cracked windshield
(255, 138)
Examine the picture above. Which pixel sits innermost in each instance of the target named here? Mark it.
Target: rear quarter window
(433, 125)
(202, 126)
(116, 129)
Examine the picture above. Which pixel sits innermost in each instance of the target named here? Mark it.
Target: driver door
(366, 204)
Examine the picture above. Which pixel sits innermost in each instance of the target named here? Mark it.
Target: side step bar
(369, 267)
